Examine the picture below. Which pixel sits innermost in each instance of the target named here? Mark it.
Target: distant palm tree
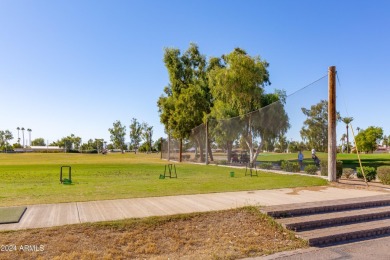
(29, 134)
(358, 129)
(22, 134)
(18, 128)
(347, 121)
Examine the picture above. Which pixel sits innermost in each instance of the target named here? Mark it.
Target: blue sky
(77, 66)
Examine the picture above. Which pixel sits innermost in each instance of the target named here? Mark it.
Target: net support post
(169, 147)
(207, 143)
(332, 148)
(161, 146)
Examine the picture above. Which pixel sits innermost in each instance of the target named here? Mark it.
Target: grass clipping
(230, 234)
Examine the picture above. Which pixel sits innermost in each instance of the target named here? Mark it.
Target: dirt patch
(360, 185)
(228, 234)
(295, 191)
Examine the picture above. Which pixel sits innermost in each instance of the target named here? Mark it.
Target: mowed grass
(349, 160)
(34, 178)
(372, 160)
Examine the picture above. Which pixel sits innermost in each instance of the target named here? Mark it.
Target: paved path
(377, 249)
(47, 215)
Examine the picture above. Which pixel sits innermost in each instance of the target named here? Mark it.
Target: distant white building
(39, 149)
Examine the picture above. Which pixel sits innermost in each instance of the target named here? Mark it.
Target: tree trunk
(210, 152)
(229, 148)
(256, 153)
(200, 146)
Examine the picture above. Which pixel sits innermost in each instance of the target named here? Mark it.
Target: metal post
(207, 143)
(181, 150)
(161, 147)
(332, 149)
(169, 150)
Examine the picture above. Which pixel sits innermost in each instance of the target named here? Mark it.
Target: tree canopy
(315, 127)
(240, 81)
(226, 87)
(38, 142)
(238, 89)
(135, 134)
(186, 99)
(70, 142)
(5, 137)
(118, 133)
(147, 134)
(367, 140)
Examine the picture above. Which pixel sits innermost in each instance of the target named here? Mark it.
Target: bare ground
(230, 234)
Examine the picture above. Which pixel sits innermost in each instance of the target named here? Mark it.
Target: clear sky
(77, 66)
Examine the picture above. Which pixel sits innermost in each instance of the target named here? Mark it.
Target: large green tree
(147, 134)
(38, 142)
(93, 145)
(186, 99)
(367, 140)
(238, 89)
(117, 135)
(315, 128)
(70, 142)
(135, 134)
(5, 137)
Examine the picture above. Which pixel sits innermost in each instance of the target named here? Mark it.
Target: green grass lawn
(34, 178)
(373, 160)
(349, 160)
(276, 157)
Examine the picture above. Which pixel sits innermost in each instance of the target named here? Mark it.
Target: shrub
(265, 165)
(348, 172)
(384, 174)
(283, 164)
(370, 173)
(339, 169)
(290, 166)
(311, 169)
(324, 168)
(223, 162)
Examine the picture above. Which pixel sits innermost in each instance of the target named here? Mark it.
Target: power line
(307, 85)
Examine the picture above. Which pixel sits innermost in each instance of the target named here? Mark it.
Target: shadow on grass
(348, 163)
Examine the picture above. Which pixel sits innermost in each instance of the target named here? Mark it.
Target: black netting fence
(280, 127)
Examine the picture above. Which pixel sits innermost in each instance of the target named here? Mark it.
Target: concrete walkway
(377, 249)
(48, 215)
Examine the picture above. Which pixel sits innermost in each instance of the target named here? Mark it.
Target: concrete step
(332, 235)
(335, 221)
(298, 209)
(314, 221)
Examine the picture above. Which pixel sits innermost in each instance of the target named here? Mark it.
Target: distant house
(383, 149)
(191, 150)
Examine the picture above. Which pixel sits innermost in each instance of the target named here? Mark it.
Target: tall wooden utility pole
(332, 149)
